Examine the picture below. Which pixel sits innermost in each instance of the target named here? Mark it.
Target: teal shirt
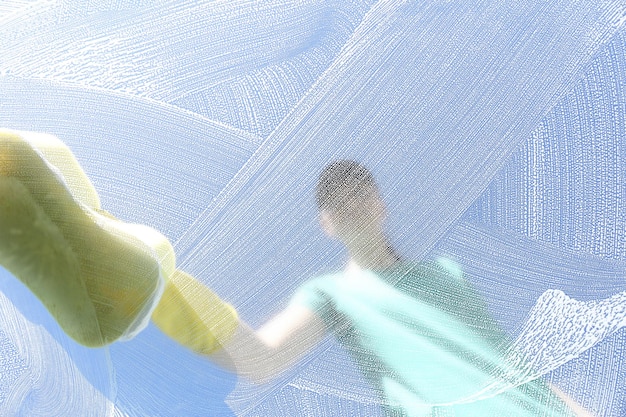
(424, 339)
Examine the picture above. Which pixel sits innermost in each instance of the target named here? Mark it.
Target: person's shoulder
(321, 281)
(317, 294)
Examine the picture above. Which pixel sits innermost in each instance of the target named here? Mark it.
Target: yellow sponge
(101, 279)
(96, 275)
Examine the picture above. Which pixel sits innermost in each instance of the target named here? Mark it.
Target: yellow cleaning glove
(193, 315)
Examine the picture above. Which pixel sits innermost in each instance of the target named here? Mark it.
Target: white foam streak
(47, 382)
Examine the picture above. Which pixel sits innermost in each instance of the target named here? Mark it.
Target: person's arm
(262, 355)
(193, 315)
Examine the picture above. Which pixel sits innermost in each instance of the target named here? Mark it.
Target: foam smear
(558, 330)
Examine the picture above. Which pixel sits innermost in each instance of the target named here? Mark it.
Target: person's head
(349, 202)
